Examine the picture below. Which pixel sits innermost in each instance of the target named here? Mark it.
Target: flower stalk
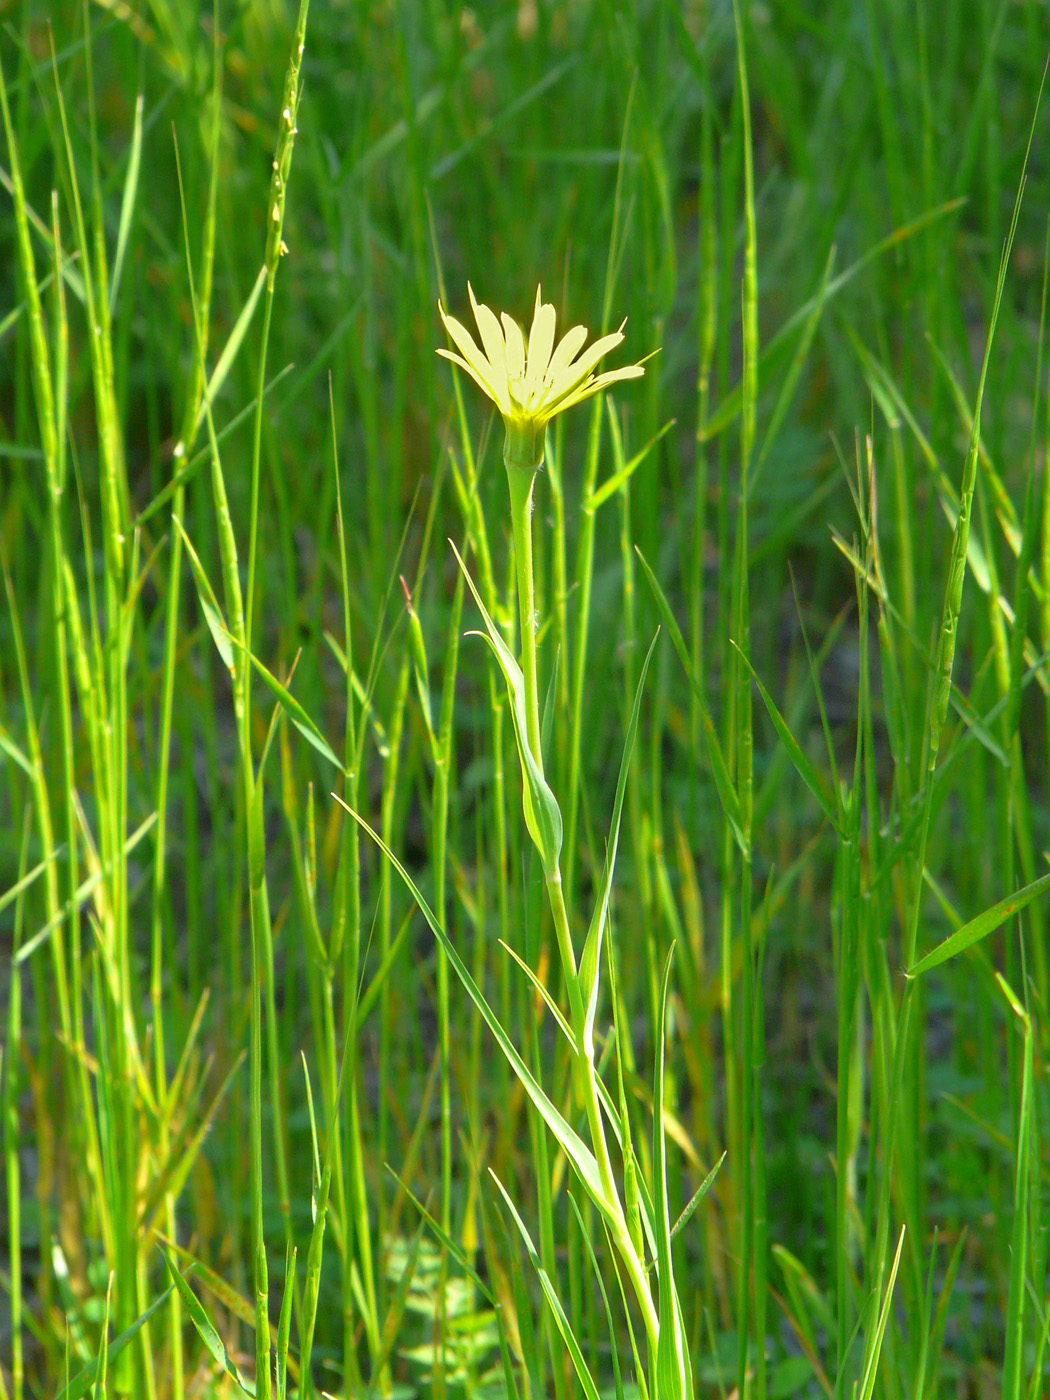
(530, 382)
(522, 484)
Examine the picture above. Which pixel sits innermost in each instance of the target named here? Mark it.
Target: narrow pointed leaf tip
(530, 382)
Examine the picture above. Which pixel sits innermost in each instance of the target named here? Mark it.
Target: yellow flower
(530, 384)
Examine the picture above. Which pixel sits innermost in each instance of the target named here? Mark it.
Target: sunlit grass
(420, 1100)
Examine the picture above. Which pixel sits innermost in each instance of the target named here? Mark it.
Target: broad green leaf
(980, 927)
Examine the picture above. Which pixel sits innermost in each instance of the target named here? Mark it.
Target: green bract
(530, 384)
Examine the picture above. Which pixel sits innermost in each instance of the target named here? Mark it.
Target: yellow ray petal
(515, 348)
(496, 392)
(491, 335)
(541, 341)
(569, 345)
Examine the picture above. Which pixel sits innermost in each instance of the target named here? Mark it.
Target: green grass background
(604, 150)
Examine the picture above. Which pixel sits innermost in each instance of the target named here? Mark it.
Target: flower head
(529, 384)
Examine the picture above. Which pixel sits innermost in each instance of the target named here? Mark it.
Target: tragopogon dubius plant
(530, 382)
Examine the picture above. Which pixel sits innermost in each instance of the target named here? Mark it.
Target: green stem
(521, 481)
(587, 1091)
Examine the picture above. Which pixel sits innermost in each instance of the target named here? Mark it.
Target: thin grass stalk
(937, 713)
(540, 1152)
(444, 758)
(753, 1262)
(1023, 601)
(1013, 1359)
(50, 385)
(466, 485)
(40, 799)
(113, 780)
(559, 585)
(258, 892)
(387, 1024)
(707, 326)
(1044, 522)
(275, 208)
(60, 381)
(39, 363)
(585, 541)
(347, 930)
(258, 903)
(1005, 823)
(183, 447)
(441, 759)
(12, 1136)
(240, 623)
(847, 961)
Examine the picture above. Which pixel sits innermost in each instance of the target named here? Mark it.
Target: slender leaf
(981, 927)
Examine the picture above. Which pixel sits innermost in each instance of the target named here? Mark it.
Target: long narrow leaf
(82, 1382)
(574, 1147)
(542, 813)
(590, 961)
(871, 1369)
(719, 768)
(127, 203)
(981, 927)
(805, 769)
(295, 712)
(673, 1373)
(220, 633)
(590, 1390)
(205, 1328)
(233, 344)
